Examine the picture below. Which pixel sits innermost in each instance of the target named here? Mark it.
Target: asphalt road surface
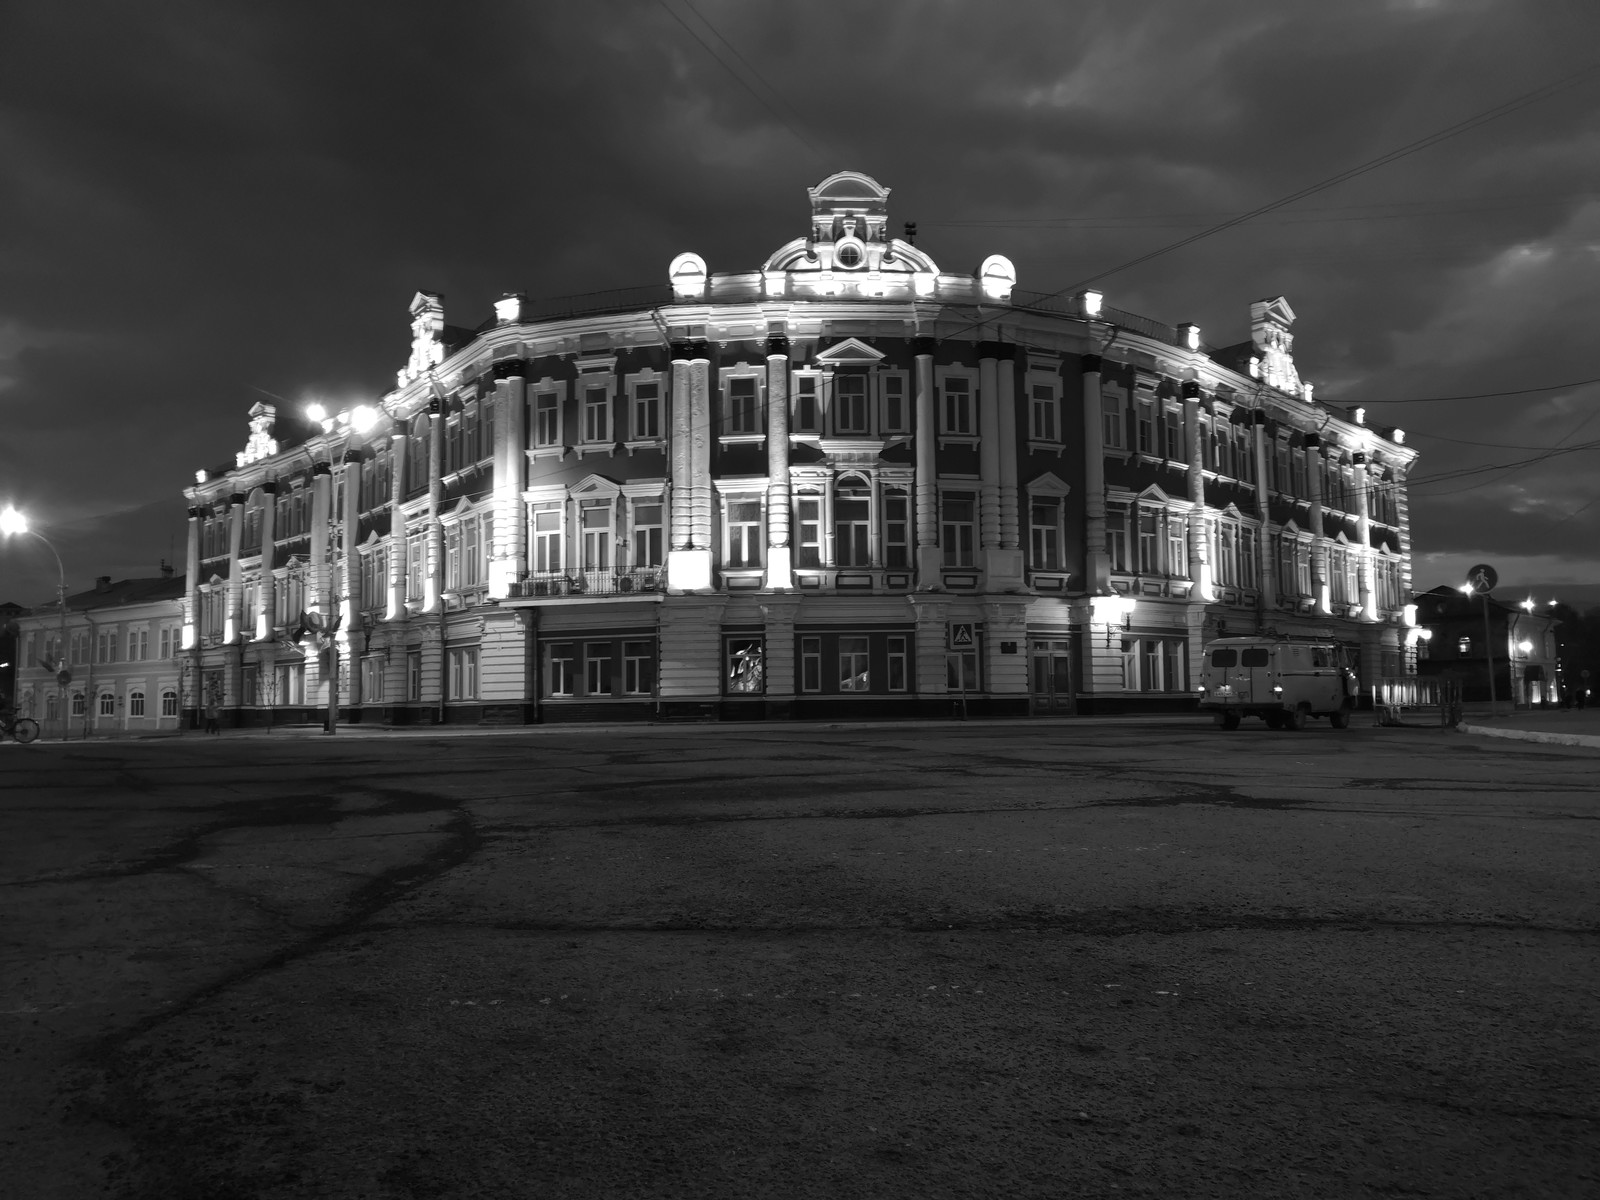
(1057, 959)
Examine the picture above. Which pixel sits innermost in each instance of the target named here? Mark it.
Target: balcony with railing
(550, 584)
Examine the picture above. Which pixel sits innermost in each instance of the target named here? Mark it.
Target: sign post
(1481, 579)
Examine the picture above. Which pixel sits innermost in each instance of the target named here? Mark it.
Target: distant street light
(12, 521)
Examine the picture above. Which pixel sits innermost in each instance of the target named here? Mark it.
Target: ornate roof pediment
(851, 350)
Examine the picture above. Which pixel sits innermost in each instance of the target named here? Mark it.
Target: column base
(689, 570)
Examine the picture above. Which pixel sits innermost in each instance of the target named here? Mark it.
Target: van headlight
(1277, 689)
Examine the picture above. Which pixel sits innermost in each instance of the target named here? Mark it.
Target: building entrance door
(1052, 676)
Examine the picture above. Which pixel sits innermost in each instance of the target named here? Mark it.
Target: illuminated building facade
(848, 482)
(121, 645)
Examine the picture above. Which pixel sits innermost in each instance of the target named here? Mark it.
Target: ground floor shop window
(853, 663)
(372, 680)
(1154, 665)
(249, 684)
(961, 671)
(414, 675)
(463, 662)
(292, 683)
(600, 669)
(745, 665)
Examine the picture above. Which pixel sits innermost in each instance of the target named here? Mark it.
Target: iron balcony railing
(590, 583)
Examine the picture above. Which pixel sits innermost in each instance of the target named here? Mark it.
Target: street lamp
(11, 521)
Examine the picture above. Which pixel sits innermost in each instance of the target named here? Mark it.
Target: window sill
(956, 439)
(1056, 448)
(645, 444)
(585, 449)
(538, 452)
(740, 439)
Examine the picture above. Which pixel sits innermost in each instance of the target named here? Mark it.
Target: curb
(1534, 735)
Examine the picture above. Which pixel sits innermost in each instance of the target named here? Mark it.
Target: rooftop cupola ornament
(1274, 344)
(427, 336)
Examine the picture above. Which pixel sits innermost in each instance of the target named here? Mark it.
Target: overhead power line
(1551, 387)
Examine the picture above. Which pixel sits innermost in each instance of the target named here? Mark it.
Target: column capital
(322, 468)
(1190, 390)
(777, 346)
(989, 349)
(269, 488)
(1089, 364)
(235, 498)
(351, 456)
(923, 346)
(196, 513)
(509, 368)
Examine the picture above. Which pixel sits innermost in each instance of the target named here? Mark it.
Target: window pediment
(1049, 484)
(851, 351)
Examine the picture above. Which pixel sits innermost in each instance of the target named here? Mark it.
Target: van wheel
(1228, 721)
(1340, 719)
(1295, 719)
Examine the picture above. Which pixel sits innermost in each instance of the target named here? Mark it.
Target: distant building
(121, 647)
(848, 482)
(9, 612)
(1520, 640)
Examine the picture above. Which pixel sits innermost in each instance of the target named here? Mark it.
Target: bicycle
(24, 729)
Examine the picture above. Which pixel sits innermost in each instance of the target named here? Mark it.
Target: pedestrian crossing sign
(961, 635)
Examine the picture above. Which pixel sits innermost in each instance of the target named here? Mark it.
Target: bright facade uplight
(1090, 302)
(315, 412)
(1525, 646)
(200, 476)
(1189, 335)
(1399, 437)
(363, 417)
(1360, 416)
(11, 521)
(1466, 589)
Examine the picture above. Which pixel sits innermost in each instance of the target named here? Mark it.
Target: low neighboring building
(9, 613)
(119, 646)
(1521, 643)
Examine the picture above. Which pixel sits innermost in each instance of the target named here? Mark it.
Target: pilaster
(510, 554)
(433, 581)
(691, 653)
(1094, 481)
(233, 627)
(321, 577)
(780, 613)
(1319, 541)
(932, 613)
(265, 615)
(780, 575)
(927, 483)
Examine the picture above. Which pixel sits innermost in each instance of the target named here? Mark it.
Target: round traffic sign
(1482, 579)
(63, 677)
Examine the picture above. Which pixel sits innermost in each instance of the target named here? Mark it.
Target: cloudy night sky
(203, 205)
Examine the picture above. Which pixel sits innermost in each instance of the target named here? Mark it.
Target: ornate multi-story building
(847, 482)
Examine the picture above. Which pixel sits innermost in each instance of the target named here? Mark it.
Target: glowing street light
(315, 412)
(363, 417)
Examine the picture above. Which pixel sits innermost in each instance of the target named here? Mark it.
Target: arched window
(852, 521)
(169, 703)
(136, 704)
(79, 704)
(108, 704)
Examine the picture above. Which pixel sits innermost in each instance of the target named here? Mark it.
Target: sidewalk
(1558, 727)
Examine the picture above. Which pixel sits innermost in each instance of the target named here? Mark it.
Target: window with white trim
(1044, 533)
(594, 523)
(810, 664)
(742, 522)
(855, 670)
(372, 679)
(1145, 410)
(108, 704)
(547, 419)
(958, 524)
(850, 402)
(597, 414)
(169, 703)
(807, 414)
(742, 405)
(463, 668)
(646, 410)
(899, 664)
(956, 415)
(139, 642)
(896, 403)
(1113, 417)
(136, 704)
(1154, 664)
(896, 527)
(1117, 537)
(467, 543)
(545, 534)
(597, 668)
(638, 668)
(852, 522)
(808, 529)
(374, 577)
(647, 533)
(416, 559)
(1045, 413)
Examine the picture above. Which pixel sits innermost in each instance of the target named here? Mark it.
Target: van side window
(1224, 658)
(1320, 657)
(1254, 656)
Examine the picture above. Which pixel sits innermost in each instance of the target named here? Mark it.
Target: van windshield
(1224, 658)
(1254, 656)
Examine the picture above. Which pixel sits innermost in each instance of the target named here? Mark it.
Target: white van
(1281, 680)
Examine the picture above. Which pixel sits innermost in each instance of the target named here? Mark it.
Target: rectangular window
(646, 411)
(414, 675)
(638, 668)
(810, 664)
(899, 665)
(136, 704)
(958, 526)
(452, 557)
(1117, 536)
(1044, 525)
(854, 671)
(743, 409)
(808, 531)
(896, 529)
(597, 668)
(372, 680)
(416, 564)
(547, 419)
(850, 404)
(563, 670)
(139, 643)
(169, 704)
(647, 534)
(546, 522)
(1247, 557)
(1046, 414)
(957, 407)
(745, 666)
(896, 411)
(596, 525)
(852, 508)
(1147, 426)
(744, 533)
(1149, 541)
(1111, 423)
(249, 684)
(806, 415)
(596, 414)
(463, 662)
(1177, 545)
(108, 704)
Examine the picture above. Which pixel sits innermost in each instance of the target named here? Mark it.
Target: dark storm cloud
(202, 203)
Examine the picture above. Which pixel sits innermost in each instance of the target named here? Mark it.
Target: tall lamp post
(11, 521)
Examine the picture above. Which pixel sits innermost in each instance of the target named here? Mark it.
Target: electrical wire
(723, 63)
(1549, 387)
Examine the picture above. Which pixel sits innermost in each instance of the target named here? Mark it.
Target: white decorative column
(689, 562)
(510, 551)
(1319, 547)
(1003, 566)
(233, 628)
(1097, 564)
(1369, 592)
(780, 555)
(1199, 547)
(396, 608)
(191, 585)
(265, 615)
(349, 577)
(321, 581)
(1265, 558)
(433, 581)
(988, 449)
(927, 485)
